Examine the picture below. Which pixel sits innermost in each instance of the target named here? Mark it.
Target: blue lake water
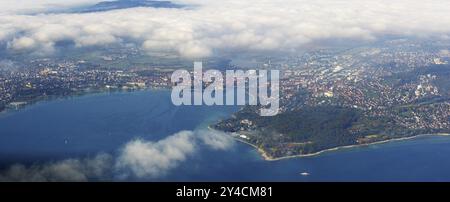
(86, 125)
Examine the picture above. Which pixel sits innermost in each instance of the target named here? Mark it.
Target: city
(390, 93)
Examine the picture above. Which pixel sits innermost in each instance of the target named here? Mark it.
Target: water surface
(83, 126)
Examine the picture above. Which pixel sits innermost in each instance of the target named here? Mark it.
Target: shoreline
(261, 151)
(266, 157)
(78, 94)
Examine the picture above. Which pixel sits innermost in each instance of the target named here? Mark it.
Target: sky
(211, 26)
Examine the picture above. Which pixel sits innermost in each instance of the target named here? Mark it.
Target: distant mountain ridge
(124, 4)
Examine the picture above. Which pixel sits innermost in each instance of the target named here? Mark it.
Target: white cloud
(138, 158)
(215, 139)
(214, 26)
(152, 159)
(147, 159)
(66, 170)
(22, 43)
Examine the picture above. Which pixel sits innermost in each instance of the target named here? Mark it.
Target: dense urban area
(349, 97)
(49, 78)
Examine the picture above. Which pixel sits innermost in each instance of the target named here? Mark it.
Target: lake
(83, 126)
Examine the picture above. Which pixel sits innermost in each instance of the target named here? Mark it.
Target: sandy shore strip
(268, 158)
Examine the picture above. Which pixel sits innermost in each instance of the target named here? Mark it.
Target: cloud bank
(212, 26)
(146, 159)
(66, 170)
(138, 159)
(150, 159)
